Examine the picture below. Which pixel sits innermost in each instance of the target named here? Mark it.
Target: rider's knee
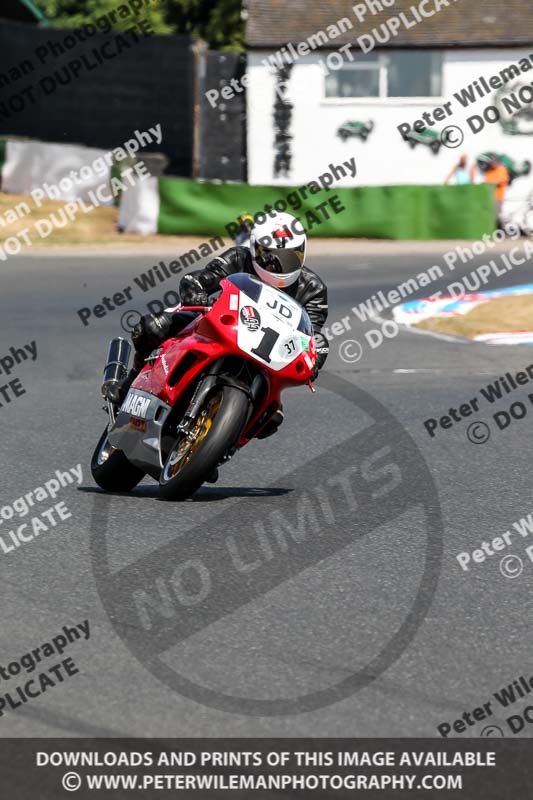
(150, 332)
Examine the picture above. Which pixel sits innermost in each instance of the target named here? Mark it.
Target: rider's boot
(272, 425)
(213, 476)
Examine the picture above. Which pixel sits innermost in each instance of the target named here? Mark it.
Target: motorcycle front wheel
(215, 431)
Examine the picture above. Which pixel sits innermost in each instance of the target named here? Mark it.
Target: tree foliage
(218, 22)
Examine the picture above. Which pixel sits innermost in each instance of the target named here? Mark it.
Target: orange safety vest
(500, 176)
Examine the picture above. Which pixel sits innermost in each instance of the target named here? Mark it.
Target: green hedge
(381, 212)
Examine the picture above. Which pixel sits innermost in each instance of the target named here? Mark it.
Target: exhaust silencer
(116, 367)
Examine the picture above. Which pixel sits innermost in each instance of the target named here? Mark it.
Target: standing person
(459, 174)
(246, 223)
(494, 172)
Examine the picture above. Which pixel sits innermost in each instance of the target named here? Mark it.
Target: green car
(516, 169)
(519, 123)
(429, 138)
(361, 130)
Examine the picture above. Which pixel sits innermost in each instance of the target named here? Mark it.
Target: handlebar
(203, 309)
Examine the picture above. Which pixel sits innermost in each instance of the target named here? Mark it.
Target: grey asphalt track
(267, 639)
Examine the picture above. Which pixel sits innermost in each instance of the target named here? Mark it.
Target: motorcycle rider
(276, 256)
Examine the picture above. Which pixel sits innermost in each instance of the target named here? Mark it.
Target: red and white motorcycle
(207, 392)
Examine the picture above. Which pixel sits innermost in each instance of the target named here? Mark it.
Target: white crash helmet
(278, 248)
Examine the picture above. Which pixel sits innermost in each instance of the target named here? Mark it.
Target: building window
(360, 79)
(400, 73)
(414, 73)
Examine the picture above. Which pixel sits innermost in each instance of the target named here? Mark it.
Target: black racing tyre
(217, 429)
(111, 469)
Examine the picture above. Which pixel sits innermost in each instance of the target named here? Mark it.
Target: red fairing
(229, 328)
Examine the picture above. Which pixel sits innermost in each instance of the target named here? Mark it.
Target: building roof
(464, 23)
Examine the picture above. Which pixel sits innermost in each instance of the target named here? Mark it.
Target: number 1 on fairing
(264, 348)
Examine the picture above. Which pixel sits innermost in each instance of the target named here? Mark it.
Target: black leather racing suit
(309, 290)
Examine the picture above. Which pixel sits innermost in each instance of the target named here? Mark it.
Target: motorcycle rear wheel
(216, 430)
(111, 469)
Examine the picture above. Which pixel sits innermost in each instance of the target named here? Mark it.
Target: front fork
(205, 386)
(112, 411)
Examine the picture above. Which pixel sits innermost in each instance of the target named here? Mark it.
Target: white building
(426, 65)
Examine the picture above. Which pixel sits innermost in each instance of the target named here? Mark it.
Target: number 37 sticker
(290, 347)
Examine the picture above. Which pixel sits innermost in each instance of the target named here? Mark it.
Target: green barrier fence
(380, 212)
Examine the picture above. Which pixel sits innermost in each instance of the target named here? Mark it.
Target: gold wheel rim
(188, 446)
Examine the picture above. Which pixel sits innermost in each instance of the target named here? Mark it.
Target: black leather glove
(150, 332)
(192, 292)
(195, 299)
